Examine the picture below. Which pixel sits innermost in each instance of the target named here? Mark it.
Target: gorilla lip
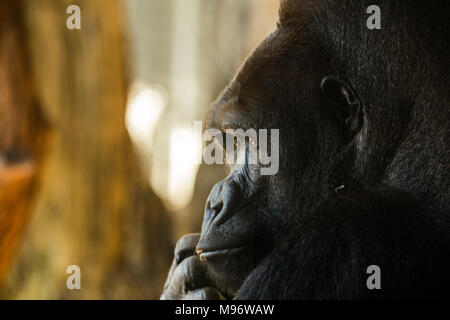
(207, 254)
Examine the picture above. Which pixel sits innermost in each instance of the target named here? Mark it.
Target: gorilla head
(363, 121)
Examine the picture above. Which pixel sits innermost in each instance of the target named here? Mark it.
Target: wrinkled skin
(362, 176)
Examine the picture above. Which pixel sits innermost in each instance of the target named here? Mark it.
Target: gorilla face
(283, 84)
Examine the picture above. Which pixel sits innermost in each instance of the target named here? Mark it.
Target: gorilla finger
(187, 276)
(208, 293)
(186, 247)
(170, 275)
(190, 275)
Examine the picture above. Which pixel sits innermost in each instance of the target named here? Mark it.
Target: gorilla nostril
(217, 205)
(221, 205)
(231, 198)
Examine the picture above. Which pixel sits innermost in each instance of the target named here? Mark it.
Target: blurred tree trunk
(95, 210)
(22, 133)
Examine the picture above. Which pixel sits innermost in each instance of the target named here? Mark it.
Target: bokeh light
(185, 147)
(145, 106)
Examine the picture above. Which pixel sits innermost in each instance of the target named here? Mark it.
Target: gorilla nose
(216, 203)
(223, 202)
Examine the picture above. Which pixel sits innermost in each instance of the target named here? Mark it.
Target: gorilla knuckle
(185, 247)
(189, 273)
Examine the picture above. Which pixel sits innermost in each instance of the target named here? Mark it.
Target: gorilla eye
(233, 138)
(229, 142)
(233, 143)
(251, 141)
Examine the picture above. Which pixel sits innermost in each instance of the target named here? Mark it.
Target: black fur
(312, 239)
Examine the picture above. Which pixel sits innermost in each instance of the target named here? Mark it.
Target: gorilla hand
(188, 277)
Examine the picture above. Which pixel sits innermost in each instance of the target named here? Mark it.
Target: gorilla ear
(343, 103)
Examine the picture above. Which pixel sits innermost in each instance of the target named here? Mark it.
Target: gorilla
(364, 171)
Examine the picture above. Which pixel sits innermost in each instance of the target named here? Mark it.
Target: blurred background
(97, 140)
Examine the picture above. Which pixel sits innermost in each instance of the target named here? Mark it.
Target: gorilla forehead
(267, 85)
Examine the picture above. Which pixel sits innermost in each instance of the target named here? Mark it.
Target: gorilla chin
(229, 267)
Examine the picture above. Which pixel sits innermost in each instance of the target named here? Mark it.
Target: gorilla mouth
(211, 254)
